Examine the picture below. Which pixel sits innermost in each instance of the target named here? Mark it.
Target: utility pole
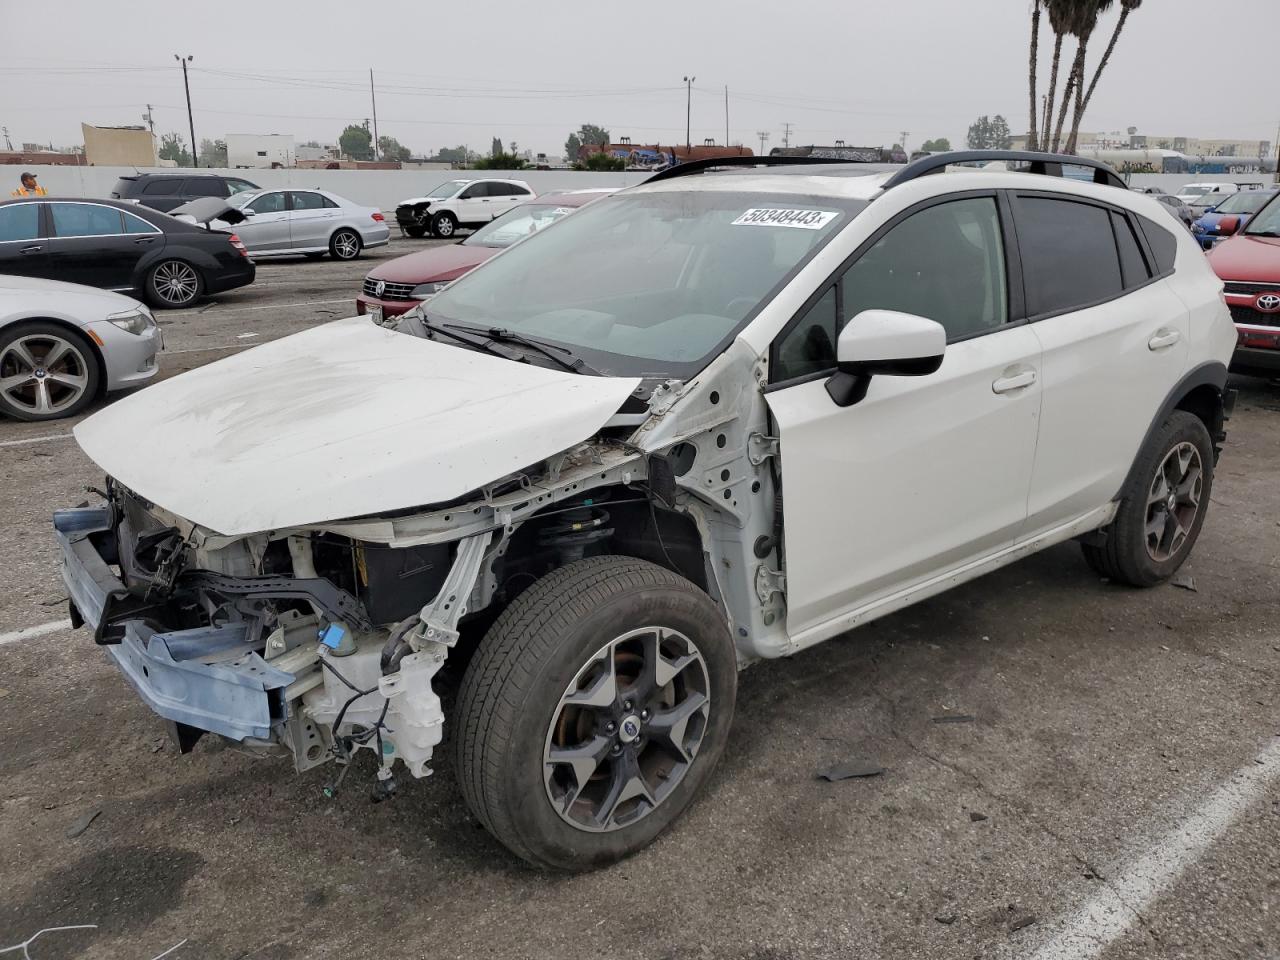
(903, 141)
(150, 123)
(374, 100)
(8, 144)
(726, 114)
(764, 138)
(1276, 178)
(191, 123)
(786, 135)
(688, 111)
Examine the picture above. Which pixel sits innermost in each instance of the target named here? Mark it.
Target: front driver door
(926, 473)
(472, 205)
(24, 250)
(268, 228)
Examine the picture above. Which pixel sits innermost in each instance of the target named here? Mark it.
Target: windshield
(1193, 190)
(1250, 202)
(447, 189)
(521, 222)
(238, 200)
(1267, 222)
(647, 284)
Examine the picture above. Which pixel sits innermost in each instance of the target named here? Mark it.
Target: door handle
(1163, 338)
(36, 249)
(1018, 381)
(144, 240)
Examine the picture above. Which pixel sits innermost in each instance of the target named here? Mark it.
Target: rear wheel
(1162, 506)
(46, 372)
(345, 245)
(444, 225)
(174, 283)
(593, 711)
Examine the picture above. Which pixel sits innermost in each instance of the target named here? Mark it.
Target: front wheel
(46, 372)
(415, 231)
(444, 225)
(174, 283)
(593, 711)
(1162, 506)
(345, 245)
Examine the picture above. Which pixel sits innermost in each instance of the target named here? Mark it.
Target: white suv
(460, 203)
(714, 419)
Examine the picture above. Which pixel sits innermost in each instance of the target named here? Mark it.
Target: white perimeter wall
(385, 188)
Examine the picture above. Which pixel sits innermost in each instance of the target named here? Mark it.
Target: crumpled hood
(343, 420)
(413, 200)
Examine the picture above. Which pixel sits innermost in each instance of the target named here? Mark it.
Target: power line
(786, 135)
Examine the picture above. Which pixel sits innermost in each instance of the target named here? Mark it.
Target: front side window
(267, 203)
(475, 192)
(945, 263)
(1069, 257)
(650, 283)
(239, 186)
(19, 221)
(85, 220)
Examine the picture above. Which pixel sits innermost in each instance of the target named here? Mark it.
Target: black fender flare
(1212, 373)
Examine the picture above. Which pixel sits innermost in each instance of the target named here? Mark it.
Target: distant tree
(989, 133)
(495, 149)
(936, 146)
(356, 142)
(588, 135)
(451, 155)
(601, 161)
(500, 161)
(213, 153)
(173, 147)
(389, 148)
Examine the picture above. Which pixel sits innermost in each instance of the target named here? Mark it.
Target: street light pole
(688, 112)
(191, 124)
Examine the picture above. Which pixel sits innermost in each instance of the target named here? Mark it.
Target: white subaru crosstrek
(714, 419)
(460, 203)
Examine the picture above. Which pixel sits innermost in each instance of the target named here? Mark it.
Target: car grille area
(1257, 317)
(404, 214)
(392, 291)
(1249, 289)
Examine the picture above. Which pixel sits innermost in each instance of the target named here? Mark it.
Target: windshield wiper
(572, 362)
(434, 327)
(1261, 233)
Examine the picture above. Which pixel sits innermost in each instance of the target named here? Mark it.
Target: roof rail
(1048, 164)
(698, 166)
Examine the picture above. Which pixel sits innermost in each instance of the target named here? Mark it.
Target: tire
(173, 284)
(444, 225)
(557, 639)
(416, 231)
(50, 390)
(1148, 541)
(345, 244)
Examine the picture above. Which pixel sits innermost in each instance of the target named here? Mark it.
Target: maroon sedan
(399, 285)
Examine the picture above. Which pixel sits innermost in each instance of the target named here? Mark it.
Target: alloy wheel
(444, 227)
(176, 282)
(627, 729)
(346, 246)
(1173, 501)
(43, 374)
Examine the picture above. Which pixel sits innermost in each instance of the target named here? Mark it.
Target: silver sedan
(281, 223)
(62, 345)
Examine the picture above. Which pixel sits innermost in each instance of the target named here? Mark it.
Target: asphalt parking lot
(1105, 781)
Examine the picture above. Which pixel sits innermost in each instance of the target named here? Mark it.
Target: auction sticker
(774, 217)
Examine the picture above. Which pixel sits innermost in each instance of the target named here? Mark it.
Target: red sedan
(399, 285)
(1249, 265)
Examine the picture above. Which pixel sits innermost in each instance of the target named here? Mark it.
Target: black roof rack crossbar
(1048, 164)
(698, 166)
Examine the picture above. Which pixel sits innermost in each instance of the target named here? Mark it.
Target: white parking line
(1088, 931)
(229, 346)
(262, 306)
(19, 443)
(30, 633)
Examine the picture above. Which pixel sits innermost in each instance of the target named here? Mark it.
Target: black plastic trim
(1045, 164)
(710, 163)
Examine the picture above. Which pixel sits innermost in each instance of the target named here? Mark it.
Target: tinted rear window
(164, 187)
(1069, 256)
(205, 187)
(1164, 245)
(1132, 263)
(124, 187)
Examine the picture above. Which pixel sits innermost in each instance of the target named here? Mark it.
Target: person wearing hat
(29, 187)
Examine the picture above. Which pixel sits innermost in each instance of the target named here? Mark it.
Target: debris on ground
(946, 921)
(1186, 581)
(81, 825)
(849, 771)
(954, 718)
(1023, 921)
(976, 817)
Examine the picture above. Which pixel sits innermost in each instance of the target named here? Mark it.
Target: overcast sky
(463, 73)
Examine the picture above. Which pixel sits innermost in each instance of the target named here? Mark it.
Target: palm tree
(1081, 19)
(1060, 15)
(1126, 7)
(1032, 135)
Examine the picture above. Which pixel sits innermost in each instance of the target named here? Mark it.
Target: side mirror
(884, 343)
(1228, 225)
(248, 212)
